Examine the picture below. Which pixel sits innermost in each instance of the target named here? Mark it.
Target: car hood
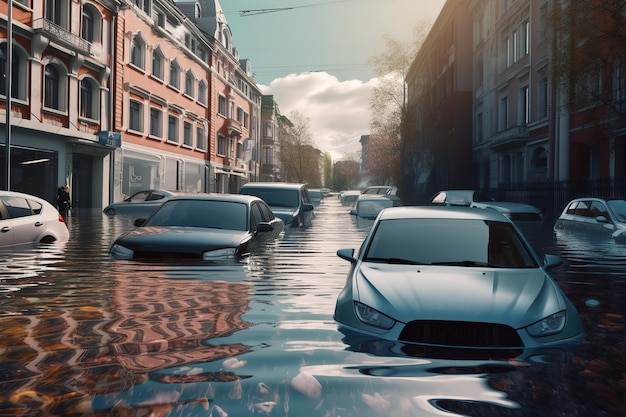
(507, 206)
(515, 297)
(181, 239)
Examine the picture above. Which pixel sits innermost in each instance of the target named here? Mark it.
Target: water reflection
(81, 334)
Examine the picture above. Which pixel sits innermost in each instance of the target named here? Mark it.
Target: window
(156, 124)
(504, 113)
(89, 99)
(479, 127)
(143, 5)
(18, 73)
(161, 19)
(135, 116)
(137, 52)
(157, 64)
(221, 105)
(175, 75)
(54, 88)
(202, 92)
(240, 115)
(269, 131)
(189, 82)
(87, 29)
(56, 12)
(542, 98)
(222, 145)
(524, 105)
(172, 129)
(200, 138)
(525, 38)
(187, 134)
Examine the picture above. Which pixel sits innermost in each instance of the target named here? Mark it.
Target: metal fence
(552, 197)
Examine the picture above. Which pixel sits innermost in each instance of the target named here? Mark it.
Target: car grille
(458, 333)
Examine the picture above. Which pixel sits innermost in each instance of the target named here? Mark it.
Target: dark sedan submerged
(202, 227)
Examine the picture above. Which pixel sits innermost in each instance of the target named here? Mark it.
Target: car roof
(20, 194)
(278, 185)
(236, 198)
(442, 212)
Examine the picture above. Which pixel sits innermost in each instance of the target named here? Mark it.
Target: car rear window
(275, 197)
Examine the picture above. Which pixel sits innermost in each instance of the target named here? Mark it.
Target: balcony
(233, 127)
(509, 138)
(62, 36)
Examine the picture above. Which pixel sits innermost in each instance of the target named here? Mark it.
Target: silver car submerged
(594, 217)
(454, 276)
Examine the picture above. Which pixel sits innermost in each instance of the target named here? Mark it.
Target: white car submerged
(457, 277)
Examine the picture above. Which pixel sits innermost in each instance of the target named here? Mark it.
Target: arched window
(175, 75)
(89, 99)
(540, 158)
(189, 83)
(137, 52)
(15, 72)
(91, 24)
(157, 64)
(54, 87)
(202, 92)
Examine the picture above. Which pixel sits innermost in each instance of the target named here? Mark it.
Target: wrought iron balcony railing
(62, 36)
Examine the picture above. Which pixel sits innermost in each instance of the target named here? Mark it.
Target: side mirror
(552, 261)
(139, 222)
(307, 206)
(347, 254)
(264, 227)
(602, 219)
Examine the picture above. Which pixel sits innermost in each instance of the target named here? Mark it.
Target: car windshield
(201, 213)
(275, 197)
(464, 242)
(619, 208)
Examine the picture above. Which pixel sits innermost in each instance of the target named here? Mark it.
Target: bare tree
(300, 160)
(387, 102)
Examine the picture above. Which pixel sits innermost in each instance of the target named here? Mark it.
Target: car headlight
(549, 325)
(373, 317)
(219, 253)
(121, 252)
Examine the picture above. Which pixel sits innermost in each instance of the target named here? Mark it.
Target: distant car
(317, 195)
(368, 206)
(25, 219)
(595, 217)
(290, 202)
(200, 227)
(348, 197)
(453, 276)
(514, 211)
(140, 203)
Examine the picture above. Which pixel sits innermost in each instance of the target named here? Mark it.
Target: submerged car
(289, 201)
(25, 219)
(477, 199)
(453, 276)
(200, 227)
(368, 206)
(140, 203)
(594, 217)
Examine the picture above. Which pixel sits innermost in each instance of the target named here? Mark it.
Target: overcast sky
(314, 56)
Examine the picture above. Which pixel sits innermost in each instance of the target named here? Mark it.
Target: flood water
(85, 335)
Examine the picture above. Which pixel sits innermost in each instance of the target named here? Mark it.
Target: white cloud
(338, 110)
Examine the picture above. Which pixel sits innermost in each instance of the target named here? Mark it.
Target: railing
(62, 35)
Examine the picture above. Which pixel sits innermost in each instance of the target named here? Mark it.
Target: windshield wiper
(394, 261)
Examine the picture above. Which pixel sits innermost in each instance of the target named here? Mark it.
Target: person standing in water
(63, 201)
